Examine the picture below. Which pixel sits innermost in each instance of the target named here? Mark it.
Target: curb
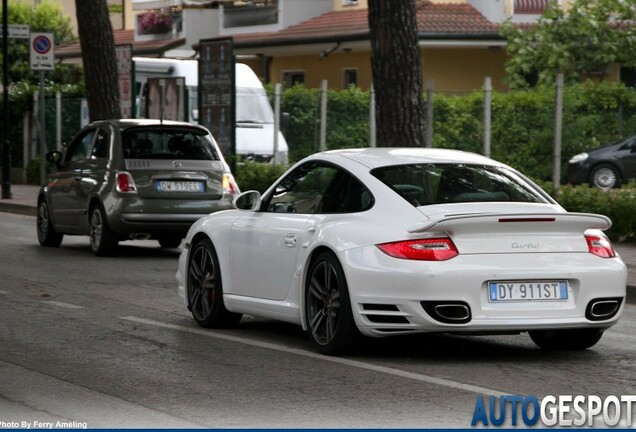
(22, 209)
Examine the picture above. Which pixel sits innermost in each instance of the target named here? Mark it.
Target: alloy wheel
(96, 229)
(323, 303)
(202, 283)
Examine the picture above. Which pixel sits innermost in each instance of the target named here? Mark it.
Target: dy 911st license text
(527, 290)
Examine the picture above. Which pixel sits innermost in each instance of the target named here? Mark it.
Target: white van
(254, 115)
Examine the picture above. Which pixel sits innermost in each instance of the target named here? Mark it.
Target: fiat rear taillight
(125, 182)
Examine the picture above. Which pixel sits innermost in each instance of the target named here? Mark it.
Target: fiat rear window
(167, 143)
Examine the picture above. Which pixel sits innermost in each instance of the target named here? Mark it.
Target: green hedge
(257, 176)
(618, 204)
(522, 122)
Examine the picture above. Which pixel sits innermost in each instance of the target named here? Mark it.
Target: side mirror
(250, 200)
(55, 157)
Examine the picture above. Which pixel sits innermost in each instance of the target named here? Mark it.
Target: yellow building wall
(460, 70)
(331, 68)
(454, 70)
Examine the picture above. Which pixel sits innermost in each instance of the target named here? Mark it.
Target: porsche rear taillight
(433, 249)
(125, 182)
(600, 246)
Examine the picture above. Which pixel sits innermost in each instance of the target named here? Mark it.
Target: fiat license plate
(527, 291)
(179, 186)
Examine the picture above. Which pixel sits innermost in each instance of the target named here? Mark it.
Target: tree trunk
(98, 58)
(397, 73)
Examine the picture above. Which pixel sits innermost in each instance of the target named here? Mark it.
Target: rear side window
(168, 143)
(317, 187)
(425, 184)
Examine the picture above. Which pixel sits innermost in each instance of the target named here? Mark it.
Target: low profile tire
(103, 241)
(566, 340)
(170, 242)
(330, 322)
(205, 288)
(47, 236)
(605, 177)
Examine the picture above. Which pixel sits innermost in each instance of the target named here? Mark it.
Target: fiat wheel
(103, 241)
(47, 236)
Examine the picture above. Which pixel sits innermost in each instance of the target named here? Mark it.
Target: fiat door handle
(290, 240)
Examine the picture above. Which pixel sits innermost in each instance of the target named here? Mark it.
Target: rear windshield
(168, 143)
(425, 184)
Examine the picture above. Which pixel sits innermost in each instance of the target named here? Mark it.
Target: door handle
(290, 240)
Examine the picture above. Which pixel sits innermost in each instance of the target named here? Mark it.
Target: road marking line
(4, 292)
(352, 363)
(62, 304)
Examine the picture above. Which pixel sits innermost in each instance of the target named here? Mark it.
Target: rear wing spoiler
(511, 222)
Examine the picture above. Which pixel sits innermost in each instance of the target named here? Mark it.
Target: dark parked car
(605, 167)
(133, 179)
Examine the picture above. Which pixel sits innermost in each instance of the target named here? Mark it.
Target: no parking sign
(42, 51)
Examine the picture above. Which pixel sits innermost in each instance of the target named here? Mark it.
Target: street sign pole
(42, 59)
(6, 150)
(42, 130)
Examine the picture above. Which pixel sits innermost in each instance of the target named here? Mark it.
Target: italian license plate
(178, 186)
(527, 291)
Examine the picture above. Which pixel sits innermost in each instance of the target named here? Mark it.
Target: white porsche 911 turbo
(386, 241)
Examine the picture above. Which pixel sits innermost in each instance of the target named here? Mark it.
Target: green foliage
(33, 170)
(257, 176)
(47, 16)
(347, 119)
(618, 204)
(303, 107)
(114, 8)
(522, 133)
(581, 42)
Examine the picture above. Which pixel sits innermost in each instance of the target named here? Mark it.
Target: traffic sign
(18, 31)
(42, 51)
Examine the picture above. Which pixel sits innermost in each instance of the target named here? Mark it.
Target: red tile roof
(452, 18)
(432, 18)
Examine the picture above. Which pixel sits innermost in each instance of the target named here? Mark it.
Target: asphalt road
(105, 343)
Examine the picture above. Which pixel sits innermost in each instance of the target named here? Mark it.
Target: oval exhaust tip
(604, 308)
(453, 312)
(448, 311)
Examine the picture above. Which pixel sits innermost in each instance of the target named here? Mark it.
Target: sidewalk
(24, 201)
